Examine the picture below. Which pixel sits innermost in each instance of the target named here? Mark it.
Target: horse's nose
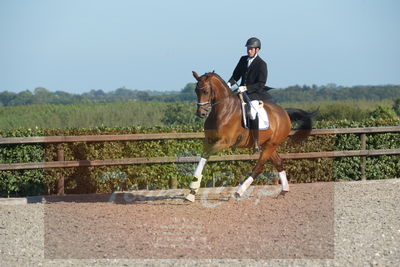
(201, 114)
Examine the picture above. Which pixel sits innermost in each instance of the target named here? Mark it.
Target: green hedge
(21, 182)
(109, 178)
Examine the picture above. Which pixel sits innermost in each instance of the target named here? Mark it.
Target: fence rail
(61, 163)
(162, 136)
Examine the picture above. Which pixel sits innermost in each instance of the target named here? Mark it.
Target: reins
(208, 102)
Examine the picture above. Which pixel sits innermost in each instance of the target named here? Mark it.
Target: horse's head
(204, 94)
(211, 90)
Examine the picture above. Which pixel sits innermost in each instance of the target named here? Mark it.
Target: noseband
(208, 103)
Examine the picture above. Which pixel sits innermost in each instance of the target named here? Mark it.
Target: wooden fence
(61, 163)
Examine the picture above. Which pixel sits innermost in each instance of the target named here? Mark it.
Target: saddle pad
(256, 107)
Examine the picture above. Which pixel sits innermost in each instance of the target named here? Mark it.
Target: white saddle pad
(256, 107)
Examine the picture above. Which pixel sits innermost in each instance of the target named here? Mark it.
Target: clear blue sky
(79, 45)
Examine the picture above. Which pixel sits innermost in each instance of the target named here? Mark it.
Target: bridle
(206, 106)
(202, 105)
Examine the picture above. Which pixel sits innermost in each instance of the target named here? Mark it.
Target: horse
(224, 128)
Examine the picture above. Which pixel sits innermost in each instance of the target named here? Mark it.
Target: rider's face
(251, 51)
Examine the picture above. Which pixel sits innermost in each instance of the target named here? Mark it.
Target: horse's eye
(206, 92)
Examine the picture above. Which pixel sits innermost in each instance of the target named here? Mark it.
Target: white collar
(252, 58)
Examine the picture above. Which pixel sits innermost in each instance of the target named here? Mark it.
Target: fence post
(363, 140)
(173, 183)
(60, 182)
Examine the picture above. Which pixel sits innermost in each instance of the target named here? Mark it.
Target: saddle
(254, 115)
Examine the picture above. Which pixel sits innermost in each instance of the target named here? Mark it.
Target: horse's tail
(305, 123)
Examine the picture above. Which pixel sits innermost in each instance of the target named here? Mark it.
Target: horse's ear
(195, 75)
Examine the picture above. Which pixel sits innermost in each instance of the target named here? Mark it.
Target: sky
(153, 45)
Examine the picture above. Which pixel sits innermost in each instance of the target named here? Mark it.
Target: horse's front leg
(195, 183)
(209, 149)
(265, 155)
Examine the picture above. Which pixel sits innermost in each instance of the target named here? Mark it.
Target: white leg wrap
(284, 181)
(195, 183)
(194, 188)
(244, 186)
(200, 167)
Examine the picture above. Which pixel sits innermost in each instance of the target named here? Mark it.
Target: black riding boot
(255, 132)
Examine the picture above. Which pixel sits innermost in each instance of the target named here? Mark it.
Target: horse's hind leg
(278, 164)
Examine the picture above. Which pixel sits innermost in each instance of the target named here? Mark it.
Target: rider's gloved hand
(229, 85)
(242, 89)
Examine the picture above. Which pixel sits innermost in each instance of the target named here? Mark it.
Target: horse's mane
(218, 77)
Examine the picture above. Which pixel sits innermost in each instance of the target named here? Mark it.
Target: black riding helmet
(253, 42)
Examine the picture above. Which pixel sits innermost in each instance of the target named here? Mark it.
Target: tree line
(295, 93)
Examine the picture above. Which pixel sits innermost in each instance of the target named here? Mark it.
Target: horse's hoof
(237, 195)
(190, 197)
(284, 192)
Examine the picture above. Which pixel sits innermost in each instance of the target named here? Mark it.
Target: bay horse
(224, 129)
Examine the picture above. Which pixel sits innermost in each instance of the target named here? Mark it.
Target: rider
(253, 72)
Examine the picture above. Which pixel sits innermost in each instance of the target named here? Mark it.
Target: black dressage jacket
(254, 77)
